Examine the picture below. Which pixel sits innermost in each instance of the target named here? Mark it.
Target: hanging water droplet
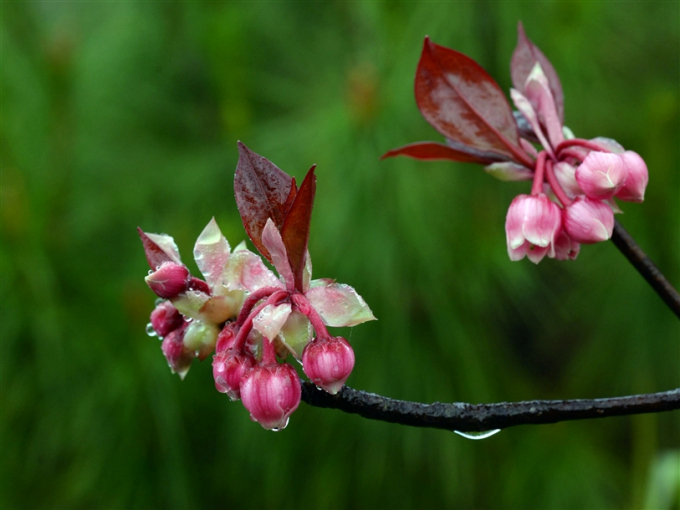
(149, 330)
(150, 271)
(478, 435)
(158, 301)
(277, 429)
(187, 319)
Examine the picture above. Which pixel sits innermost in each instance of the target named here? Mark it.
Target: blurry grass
(123, 114)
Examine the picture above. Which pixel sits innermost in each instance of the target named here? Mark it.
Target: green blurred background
(119, 114)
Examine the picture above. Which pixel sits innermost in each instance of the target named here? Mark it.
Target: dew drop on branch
(478, 435)
(149, 330)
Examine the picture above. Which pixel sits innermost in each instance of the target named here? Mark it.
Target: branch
(627, 245)
(464, 417)
(480, 417)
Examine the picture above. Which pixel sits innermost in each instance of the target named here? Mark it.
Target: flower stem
(252, 301)
(555, 184)
(581, 143)
(571, 153)
(247, 325)
(268, 352)
(537, 186)
(305, 307)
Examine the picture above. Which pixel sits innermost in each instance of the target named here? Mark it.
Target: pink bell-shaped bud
(228, 369)
(174, 352)
(225, 340)
(169, 280)
(165, 318)
(601, 175)
(566, 177)
(328, 363)
(531, 226)
(271, 393)
(633, 189)
(565, 247)
(588, 221)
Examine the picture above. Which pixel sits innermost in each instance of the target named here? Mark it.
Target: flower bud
(228, 369)
(601, 175)
(165, 318)
(328, 363)
(271, 393)
(588, 221)
(633, 189)
(225, 340)
(566, 177)
(173, 350)
(169, 280)
(531, 226)
(565, 247)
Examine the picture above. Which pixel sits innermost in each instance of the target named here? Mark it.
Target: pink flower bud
(173, 350)
(225, 340)
(165, 318)
(328, 363)
(588, 221)
(531, 226)
(169, 280)
(633, 189)
(565, 247)
(601, 175)
(228, 369)
(566, 177)
(271, 393)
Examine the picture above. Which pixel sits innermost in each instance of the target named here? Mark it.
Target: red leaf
(155, 255)
(524, 59)
(291, 196)
(295, 231)
(262, 191)
(464, 103)
(428, 151)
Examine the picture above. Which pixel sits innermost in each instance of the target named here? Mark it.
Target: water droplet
(187, 319)
(277, 429)
(149, 330)
(158, 301)
(478, 435)
(150, 271)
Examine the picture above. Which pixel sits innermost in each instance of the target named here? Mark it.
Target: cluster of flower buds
(575, 181)
(245, 313)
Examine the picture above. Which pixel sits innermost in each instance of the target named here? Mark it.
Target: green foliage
(118, 114)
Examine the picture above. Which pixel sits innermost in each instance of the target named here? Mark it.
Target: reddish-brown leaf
(429, 151)
(155, 255)
(524, 59)
(262, 191)
(291, 196)
(464, 103)
(295, 231)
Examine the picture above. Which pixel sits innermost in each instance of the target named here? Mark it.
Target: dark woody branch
(464, 417)
(480, 417)
(640, 261)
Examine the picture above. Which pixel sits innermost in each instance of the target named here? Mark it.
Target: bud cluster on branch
(253, 320)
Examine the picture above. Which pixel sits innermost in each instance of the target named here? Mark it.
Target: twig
(480, 417)
(464, 417)
(630, 249)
